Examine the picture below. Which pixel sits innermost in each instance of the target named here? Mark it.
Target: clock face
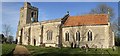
(32, 19)
(21, 14)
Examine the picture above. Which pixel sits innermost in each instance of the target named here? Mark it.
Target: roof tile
(90, 19)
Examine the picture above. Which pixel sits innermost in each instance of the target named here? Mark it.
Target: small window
(77, 36)
(67, 36)
(32, 19)
(89, 36)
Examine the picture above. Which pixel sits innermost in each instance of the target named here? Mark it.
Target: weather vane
(67, 12)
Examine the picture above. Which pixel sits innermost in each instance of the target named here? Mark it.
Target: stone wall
(33, 31)
(54, 27)
(100, 35)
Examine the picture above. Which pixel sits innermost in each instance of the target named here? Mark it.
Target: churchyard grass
(51, 51)
(7, 49)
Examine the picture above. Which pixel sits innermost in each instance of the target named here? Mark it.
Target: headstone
(75, 45)
(72, 45)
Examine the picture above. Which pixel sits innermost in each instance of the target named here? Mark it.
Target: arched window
(67, 36)
(49, 35)
(77, 36)
(89, 36)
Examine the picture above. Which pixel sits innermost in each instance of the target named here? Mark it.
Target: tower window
(35, 13)
(89, 36)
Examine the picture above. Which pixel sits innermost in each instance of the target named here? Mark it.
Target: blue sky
(49, 10)
(60, 0)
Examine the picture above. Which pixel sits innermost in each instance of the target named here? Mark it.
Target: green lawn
(50, 51)
(7, 49)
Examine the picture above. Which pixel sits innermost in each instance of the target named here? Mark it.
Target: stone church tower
(28, 15)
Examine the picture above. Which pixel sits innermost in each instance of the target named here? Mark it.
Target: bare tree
(116, 28)
(105, 9)
(10, 39)
(6, 30)
(102, 9)
(83, 30)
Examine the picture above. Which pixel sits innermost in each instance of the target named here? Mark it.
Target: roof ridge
(88, 15)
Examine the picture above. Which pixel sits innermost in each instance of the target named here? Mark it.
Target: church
(93, 30)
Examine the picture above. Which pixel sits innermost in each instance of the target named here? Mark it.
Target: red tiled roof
(90, 19)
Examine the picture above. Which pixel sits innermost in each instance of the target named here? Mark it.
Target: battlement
(28, 5)
(35, 8)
